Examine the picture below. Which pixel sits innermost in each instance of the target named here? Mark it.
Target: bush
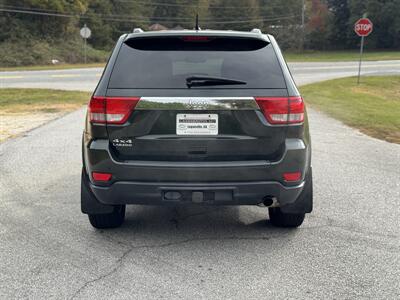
(39, 52)
(289, 37)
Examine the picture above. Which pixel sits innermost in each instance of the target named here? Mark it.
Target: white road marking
(65, 75)
(11, 77)
(342, 67)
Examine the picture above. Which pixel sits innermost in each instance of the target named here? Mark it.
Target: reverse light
(282, 110)
(111, 110)
(101, 176)
(294, 176)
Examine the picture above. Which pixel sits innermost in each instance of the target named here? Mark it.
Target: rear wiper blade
(206, 81)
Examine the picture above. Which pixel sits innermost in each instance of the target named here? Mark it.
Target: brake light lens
(282, 110)
(295, 176)
(195, 38)
(101, 176)
(111, 110)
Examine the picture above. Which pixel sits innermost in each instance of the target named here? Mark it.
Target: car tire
(112, 220)
(280, 219)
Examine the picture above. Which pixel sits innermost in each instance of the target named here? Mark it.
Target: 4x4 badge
(122, 142)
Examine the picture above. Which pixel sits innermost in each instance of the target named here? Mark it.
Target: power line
(126, 17)
(143, 20)
(254, 20)
(38, 13)
(89, 14)
(151, 4)
(29, 8)
(166, 4)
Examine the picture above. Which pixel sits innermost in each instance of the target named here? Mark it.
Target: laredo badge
(122, 142)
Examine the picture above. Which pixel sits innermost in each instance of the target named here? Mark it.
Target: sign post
(363, 27)
(85, 33)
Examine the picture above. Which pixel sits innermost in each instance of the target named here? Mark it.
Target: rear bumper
(224, 193)
(225, 183)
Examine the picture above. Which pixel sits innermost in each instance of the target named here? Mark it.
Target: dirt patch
(24, 109)
(14, 124)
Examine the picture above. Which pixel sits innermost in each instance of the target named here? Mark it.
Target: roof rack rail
(137, 30)
(256, 30)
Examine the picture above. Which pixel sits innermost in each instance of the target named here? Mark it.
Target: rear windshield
(166, 63)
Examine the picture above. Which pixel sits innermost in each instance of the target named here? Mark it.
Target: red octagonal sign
(363, 27)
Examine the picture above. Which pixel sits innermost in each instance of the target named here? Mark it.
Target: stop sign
(363, 27)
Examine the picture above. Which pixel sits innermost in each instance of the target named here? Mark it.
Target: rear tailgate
(154, 134)
(170, 122)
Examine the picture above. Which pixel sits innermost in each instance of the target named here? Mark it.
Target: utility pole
(303, 13)
(84, 50)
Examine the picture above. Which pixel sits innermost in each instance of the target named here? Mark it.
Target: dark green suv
(196, 117)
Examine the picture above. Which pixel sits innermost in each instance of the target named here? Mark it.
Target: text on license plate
(196, 124)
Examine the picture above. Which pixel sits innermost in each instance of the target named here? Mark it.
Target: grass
(321, 56)
(52, 67)
(15, 100)
(373, 106)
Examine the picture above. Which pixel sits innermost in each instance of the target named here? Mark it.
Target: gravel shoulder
(13, 125)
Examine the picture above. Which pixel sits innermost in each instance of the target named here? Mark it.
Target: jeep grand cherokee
(196, 117)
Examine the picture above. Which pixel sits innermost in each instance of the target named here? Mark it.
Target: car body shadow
(147, 226)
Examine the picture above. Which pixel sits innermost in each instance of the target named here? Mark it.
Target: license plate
(196, 124)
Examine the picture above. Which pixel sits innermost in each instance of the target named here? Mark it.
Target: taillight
(295, 176)
(282, 110)
(101, 176)
(111, 110)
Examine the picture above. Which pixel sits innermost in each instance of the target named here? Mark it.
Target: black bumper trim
(226, 193)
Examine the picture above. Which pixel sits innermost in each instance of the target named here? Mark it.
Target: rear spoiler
(196, 41)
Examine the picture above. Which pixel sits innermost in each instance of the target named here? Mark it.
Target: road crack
(119, 262)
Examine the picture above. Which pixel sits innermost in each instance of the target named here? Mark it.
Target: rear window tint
(157, 66)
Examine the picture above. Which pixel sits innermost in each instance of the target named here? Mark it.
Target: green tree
(235, 14)
(283, 20)
(339, 23)
(102, 31)
(109, 19)
(317, 25)
(35, 37)
(386, 18)
(15, 26)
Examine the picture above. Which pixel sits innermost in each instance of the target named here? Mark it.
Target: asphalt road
(348, 248)
(86, 79)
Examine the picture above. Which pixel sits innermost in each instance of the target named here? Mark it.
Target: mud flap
(304, 203)
(89, 204)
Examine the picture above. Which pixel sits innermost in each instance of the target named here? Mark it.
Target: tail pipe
(269, 201)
